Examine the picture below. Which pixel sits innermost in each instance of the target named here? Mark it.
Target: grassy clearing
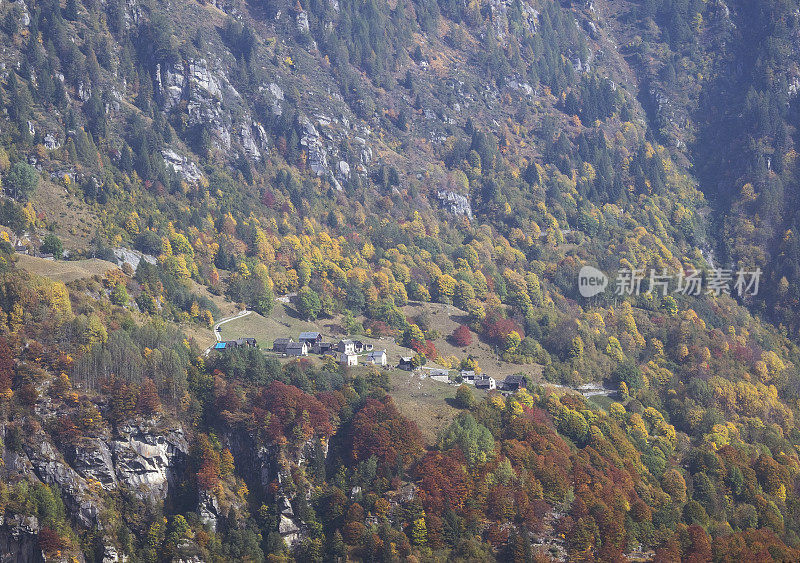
(283, 322)
(424, 401)
(601, 401)
(65, 271)
(74, 221)
(447, 318)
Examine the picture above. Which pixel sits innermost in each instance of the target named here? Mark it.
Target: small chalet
(297, 349)
(406, 363)
(376, 358)
(321, 347)
(362, 346)
(485, 382)
(310, 338)
(348, 360)
(347, 347)
(513, 383)
(280, 344)
(468, 376)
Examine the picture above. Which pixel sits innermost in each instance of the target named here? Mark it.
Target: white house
(349, 360)
(377, 358)
(347, 347)
(485, 382)
(297, 349)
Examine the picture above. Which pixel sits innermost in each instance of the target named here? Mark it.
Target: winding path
(238, 315)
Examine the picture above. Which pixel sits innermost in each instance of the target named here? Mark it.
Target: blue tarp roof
(219, 345)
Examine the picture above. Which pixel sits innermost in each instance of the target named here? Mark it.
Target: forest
(355, 158)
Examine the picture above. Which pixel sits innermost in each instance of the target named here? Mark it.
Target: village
(352, 352)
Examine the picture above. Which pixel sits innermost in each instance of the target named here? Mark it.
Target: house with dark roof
(321, 347)
(513, 383)
(376, 358)
(280, 344)
(297, 349)
(346, 346)
(485, 382)
(406, 363)
(310, 338)
(361, 346)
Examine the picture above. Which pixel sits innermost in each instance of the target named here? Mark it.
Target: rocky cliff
(147, 458)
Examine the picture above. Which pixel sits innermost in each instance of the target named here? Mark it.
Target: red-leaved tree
(462, 336)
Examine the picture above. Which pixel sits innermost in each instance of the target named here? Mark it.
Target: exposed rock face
(202, 81)
(171, 82)
(51, 468)
(143, 457)
(182, 165)
(208, 510)
(317, 157)
(19, 541)
(146, 459)
(210, 100)
(302, 22)
(457, 204)
(262, 465)
(92, 459)
(133, 257)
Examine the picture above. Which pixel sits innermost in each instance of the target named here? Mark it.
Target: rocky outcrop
(19, 540)
(263, 465)
(457, 204)
(182, 165)
(317, 156)
(52, 469)
(147, 459)
(208, 510)
(91, 458)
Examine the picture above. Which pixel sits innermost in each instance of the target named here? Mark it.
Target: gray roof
(304, 335)
(282, 341)
(295, 345)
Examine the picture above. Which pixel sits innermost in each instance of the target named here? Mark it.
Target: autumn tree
(462, 336)
(148, 402)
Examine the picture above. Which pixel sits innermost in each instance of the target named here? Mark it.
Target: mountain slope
(358, 159)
